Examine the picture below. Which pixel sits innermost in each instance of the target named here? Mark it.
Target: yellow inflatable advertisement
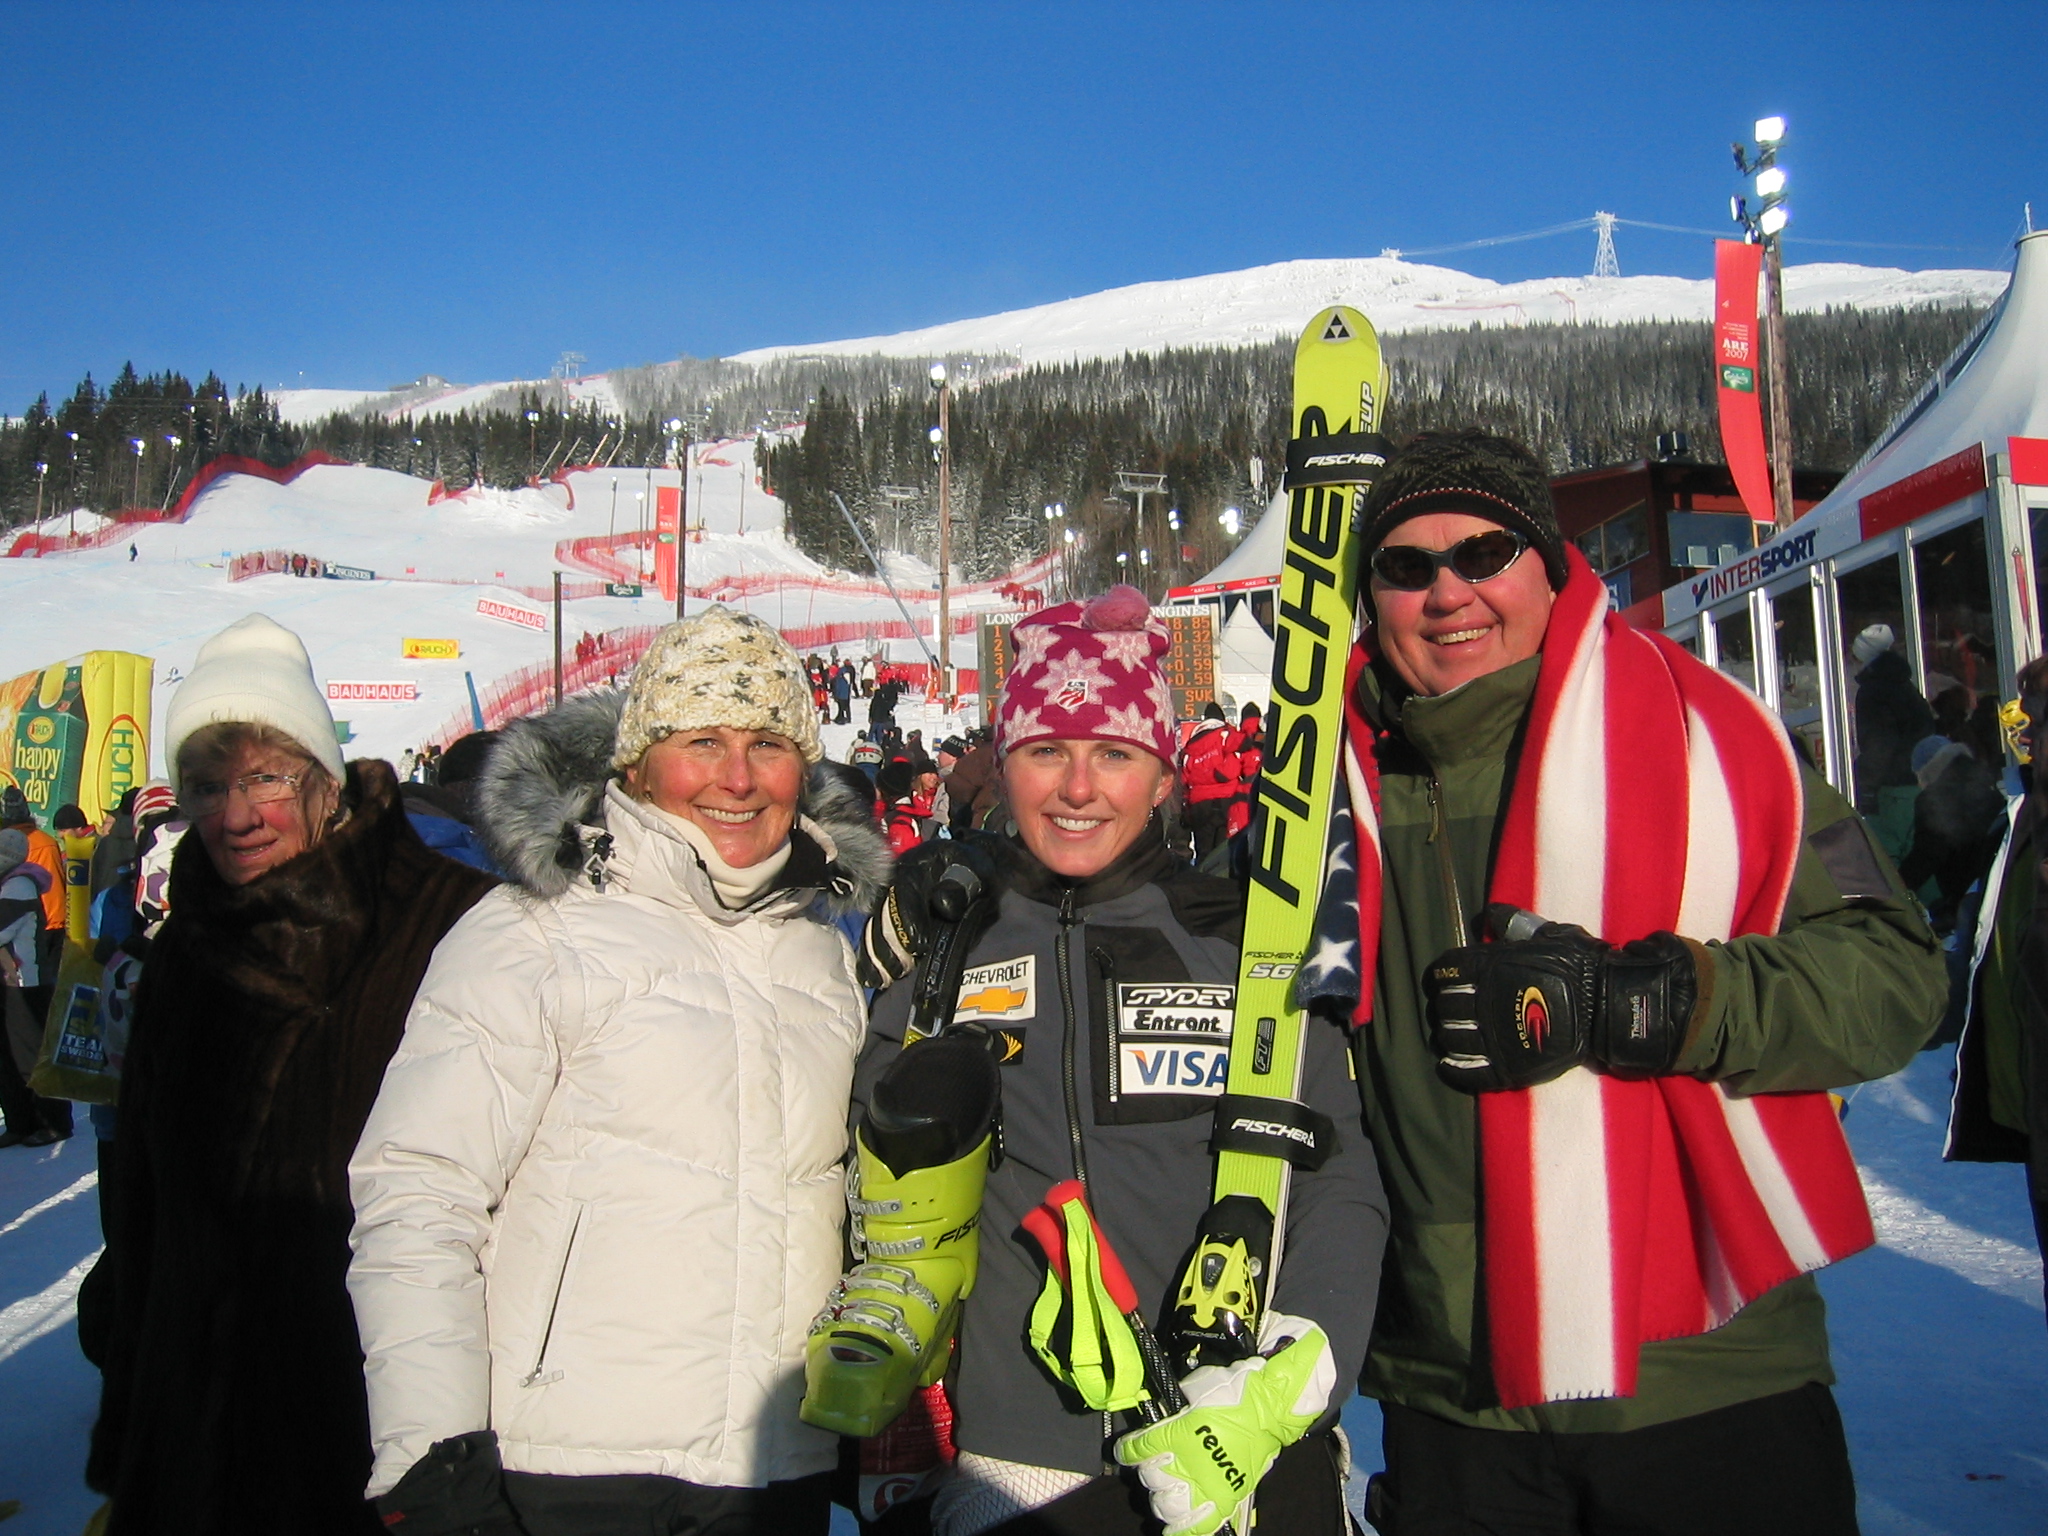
(77, 733)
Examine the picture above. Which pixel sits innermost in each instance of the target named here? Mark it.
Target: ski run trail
(1938, 1332)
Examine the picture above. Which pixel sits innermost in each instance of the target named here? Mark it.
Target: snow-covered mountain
(1236, 308)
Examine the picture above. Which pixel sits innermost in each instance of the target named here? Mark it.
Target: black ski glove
(899, 930)
(1527, 1009)
(456, 1489)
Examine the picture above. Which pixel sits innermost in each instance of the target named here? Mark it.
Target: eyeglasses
(209, 797)
(1479, 558)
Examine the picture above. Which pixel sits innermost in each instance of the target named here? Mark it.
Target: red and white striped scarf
(1653, 794)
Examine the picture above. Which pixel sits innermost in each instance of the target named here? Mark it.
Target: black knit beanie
(1466, 471)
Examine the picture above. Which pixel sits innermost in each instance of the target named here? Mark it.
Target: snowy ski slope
(433, 562)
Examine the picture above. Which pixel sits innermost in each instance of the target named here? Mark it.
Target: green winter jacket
(1847, 990)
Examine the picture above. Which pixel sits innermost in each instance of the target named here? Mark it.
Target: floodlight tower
(1767, 224)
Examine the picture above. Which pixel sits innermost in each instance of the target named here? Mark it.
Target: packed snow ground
(1226, 309)
(433, 563)
(1938, 1333)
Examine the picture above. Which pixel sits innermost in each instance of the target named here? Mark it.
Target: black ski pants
(1774, 1466)
(641, 1504)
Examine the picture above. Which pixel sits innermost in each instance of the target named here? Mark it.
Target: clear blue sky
(353, 194)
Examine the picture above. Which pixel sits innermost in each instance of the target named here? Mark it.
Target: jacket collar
(1141, 864)
(1470, 723)
(635, 850)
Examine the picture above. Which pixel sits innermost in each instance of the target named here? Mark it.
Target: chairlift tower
(1605, 262)
(1140, 486)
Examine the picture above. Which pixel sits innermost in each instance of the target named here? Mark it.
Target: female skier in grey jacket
(1106, 981)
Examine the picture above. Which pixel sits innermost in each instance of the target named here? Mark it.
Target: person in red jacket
(1208, 766)
(895, 789)
(1251, 751)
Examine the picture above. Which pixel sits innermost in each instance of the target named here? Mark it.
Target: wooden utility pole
(945, 680)
(558, 637)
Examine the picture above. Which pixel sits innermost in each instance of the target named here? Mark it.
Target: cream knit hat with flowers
(715, 668)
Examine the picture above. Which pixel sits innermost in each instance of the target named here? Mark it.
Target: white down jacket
(599, 1200)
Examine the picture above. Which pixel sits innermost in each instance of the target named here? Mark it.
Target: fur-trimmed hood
(539, 806)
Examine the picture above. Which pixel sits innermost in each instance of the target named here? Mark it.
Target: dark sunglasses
(1479, 558)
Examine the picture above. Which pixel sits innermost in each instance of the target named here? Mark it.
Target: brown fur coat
(233, 1399)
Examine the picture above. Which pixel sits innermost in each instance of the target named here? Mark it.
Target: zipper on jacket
(1440, 834)
(534, 1378)
(1106, 963)
(1060, 949)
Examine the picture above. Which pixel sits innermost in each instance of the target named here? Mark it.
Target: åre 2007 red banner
(1736, 367)
(668, 520)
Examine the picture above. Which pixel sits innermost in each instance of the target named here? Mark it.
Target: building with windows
(1654, 522)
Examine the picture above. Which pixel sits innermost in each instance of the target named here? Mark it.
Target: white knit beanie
(1870, 643)
(254, 672)
(715, 668)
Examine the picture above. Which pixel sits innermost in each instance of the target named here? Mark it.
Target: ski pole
(1047, 1226)
(961, 893)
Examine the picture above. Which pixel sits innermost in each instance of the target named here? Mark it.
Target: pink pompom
(1122, 607)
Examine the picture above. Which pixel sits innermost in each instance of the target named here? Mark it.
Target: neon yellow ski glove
(1202, 1465)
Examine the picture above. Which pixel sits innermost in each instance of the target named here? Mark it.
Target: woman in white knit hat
(305, 911)
(600, 1198)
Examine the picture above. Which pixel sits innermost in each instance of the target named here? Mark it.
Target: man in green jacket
(1727, 1428)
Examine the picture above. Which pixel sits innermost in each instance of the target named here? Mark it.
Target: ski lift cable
(1669, 229)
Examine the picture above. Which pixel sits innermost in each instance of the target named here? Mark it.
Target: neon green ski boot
(921, 1158)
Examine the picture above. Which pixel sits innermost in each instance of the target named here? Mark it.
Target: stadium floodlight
(1770, 182)
(1232, 519)
(1773, 219)
(937, 436)
(675, 423)
(1770, 130)
(938, 375)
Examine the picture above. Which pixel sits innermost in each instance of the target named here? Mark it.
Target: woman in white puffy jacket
(599, 1199)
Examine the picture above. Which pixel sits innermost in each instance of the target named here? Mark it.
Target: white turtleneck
(735, 888)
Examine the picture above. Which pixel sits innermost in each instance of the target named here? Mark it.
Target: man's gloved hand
(1527, 1009)
(456, 1489)
(1202, 1465)
(899, 930)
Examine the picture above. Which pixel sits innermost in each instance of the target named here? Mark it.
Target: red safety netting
(32, 545)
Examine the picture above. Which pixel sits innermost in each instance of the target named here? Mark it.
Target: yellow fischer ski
(1263, 1131)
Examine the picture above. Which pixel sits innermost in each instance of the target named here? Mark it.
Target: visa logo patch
(1002, 990)
(1172, 1067)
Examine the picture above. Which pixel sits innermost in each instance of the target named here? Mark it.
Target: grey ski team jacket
(1090, 1091)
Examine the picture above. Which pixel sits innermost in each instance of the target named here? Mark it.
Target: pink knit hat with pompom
(1089, 671)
